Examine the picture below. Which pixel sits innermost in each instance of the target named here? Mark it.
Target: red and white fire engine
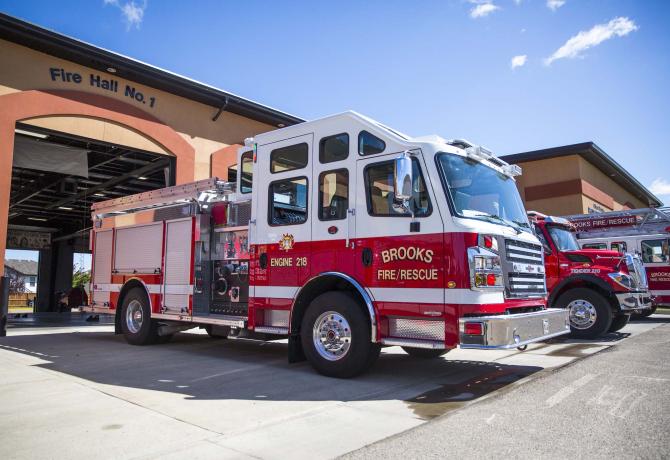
(601, 289)
(641, 231)
(340, 234)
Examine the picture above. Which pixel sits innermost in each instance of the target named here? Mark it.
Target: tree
(81, 277)
(16, 283)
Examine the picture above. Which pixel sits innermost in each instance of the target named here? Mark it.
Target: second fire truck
(340, 234)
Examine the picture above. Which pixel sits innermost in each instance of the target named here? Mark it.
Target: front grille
(524, 269)
(637, 271)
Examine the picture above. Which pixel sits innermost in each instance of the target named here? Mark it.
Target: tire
(618, 322)
(424, 353)
(220, 332)
(343, 348)
(645, 314)
(136, 323)
(590, 313)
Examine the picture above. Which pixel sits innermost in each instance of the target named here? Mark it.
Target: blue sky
(593, 69)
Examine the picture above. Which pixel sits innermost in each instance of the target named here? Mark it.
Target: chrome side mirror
(402, 178)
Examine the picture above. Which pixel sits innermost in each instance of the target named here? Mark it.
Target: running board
(232, 321)
(410, 343)
(272, 330)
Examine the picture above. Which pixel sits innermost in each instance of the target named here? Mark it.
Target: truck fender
(579, 279)
(329, 281)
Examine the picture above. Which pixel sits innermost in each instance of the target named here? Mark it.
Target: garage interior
(55, 179)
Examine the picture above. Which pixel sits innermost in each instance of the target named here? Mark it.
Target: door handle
(366, 256)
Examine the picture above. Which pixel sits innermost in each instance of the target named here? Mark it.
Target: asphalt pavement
(612, 404)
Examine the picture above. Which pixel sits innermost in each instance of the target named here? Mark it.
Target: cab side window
(369, 144)
(247, 161)
(379, 191)
(655, 251)
(333, 194)
(334, 148)
(288, 202)
(619, 246)
(289, 158)
(594, 246)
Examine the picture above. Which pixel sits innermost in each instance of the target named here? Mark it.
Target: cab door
(282, 229)
(552, 259)
(399, 258)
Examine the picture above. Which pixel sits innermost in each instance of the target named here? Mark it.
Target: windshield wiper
(511, 224)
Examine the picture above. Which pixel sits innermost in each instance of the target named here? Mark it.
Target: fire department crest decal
(286, 242)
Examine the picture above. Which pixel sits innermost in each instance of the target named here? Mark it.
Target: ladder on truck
(642, 221)
(202, 191)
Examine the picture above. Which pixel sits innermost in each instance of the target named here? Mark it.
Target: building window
(334, 148)
(289, 158)
(333, 194)
(379, 191)
(288, 202)
(369, 144)
(32, 280)
(655, 251)
(246, 178)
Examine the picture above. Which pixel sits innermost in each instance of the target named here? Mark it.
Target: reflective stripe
(277, 292)
(437, 296)
(660, 292)
(152, 288)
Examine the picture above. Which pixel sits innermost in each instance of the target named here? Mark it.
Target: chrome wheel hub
(332, 336)
(582, 314)
(134, 316)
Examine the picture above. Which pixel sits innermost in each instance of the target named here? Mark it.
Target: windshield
(480, 192)
(564, 239)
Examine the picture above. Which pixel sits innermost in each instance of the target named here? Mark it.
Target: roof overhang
(64, 47)
(596, 156)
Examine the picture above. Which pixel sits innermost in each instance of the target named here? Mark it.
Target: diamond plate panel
(421, 329)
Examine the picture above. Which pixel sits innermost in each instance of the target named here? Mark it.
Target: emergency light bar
(557, 220)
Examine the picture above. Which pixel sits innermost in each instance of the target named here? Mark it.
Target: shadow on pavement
(201, 368)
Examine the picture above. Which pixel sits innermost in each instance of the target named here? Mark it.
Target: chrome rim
(332, 336)
(134, 316)
(582, 314)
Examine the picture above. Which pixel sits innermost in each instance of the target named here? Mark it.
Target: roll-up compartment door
(177, 277)
(102, 265)
(139, 249)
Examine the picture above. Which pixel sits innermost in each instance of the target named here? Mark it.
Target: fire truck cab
(600, 289)
(340, 234)
(645, 232)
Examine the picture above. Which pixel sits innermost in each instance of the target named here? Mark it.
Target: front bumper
(515, 330)
(634, 301)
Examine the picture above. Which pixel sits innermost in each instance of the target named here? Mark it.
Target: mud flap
(295, 351)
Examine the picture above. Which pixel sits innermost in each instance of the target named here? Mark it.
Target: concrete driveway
(80, 391)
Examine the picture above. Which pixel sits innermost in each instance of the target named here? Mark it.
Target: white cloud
(482, 8)
(617, 27)
(518, 2)
(133, 13)
(553, 5)
(660, 187)
(518, 61)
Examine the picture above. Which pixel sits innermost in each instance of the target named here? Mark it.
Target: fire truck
(645, 232)
(600, 289)
(340, 235)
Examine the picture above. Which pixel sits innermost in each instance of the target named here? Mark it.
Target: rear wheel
(335, 335)
(424, 353)
(136, 323)
(590, 313)
(618, 322)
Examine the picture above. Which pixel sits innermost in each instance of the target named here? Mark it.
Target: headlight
(485, 269)
(623, 280)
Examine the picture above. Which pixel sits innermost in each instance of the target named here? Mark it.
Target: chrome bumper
(633, 301)
(516, 330)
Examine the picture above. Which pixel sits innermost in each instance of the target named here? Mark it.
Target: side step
(411, 343)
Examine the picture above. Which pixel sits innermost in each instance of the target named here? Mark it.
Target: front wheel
(136, 323)
(335, 335)
(590, 313)
(618, 322)
(424, 353)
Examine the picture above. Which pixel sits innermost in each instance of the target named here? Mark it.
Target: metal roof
(596, 156)
(24, 267)
(68, 48)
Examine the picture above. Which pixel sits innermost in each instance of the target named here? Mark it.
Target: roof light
(65, 208)
(111, 70)
(512, 170)
(142, 178)
(39, 219)
(98, 194)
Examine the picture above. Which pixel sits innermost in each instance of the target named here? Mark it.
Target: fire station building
(79, 124)
(577, 179)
